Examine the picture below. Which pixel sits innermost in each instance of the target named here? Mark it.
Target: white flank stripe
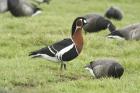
(50, 49)
(36, 13)
(54, 59)
(116, 37)
(54, 49)
(64, 50)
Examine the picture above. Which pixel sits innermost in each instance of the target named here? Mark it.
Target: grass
(21, 74)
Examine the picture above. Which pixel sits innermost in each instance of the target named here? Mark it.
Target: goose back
(21, 8)
(95, 23)
(131, 32)
(106, 68)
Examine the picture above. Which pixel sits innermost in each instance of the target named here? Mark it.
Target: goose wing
(54, 49)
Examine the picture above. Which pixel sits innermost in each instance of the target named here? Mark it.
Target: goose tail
(34, 54)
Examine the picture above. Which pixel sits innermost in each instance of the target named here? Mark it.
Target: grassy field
(18, 36)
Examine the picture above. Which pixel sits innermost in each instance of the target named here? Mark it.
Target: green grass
(18, 36)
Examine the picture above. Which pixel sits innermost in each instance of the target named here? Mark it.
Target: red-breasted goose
(97, 23)
(66, 49)
(20, 8)
(3, 6)
(105, 68)
(130, 32)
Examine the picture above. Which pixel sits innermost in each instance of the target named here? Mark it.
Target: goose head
(111, 27)
(78, 22)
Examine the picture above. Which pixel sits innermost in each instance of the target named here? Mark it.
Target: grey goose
(102, 68)
(130, 32)
(20, 8)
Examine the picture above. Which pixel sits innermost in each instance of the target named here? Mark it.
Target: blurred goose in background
(130, 32)
(65, 50)
(96, 23)
(114, 13)
(105, 68)
(20, 8)
(3, 6)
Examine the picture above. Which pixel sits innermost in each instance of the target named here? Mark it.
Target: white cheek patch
(91, 71)
(85, 21)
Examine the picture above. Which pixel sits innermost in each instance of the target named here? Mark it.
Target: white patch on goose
(133, 35)
(64, 50)
(116, 37)
(91, 71)
(108, 25)
(47, 57)
(50, 49)
(39, 0)
(37, 12)
(85, 21)
(54, 49)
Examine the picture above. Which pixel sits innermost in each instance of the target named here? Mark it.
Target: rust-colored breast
(78, 39)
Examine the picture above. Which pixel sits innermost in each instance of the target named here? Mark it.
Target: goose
(114, 13)
(96, 23)
(66, 49)
(20, 8)
(130, 32)
(3, 6)
(105, 68)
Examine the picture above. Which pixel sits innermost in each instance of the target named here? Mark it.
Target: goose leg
(65, 66)
(61, 66)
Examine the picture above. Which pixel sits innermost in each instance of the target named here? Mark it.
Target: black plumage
(52, 50)
(96, 23)
(3, 6)
(64, 50)
(114, 13)
(105, 68)
(20, 8)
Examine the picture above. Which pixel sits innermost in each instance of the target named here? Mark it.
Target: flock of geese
(19, 8)
(69, 48)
